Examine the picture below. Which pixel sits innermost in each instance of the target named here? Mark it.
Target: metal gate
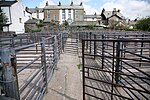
(27, 64)
(116, 69)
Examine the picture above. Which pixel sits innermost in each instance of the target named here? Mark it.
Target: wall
(78, 14)
(54, 13)
(19, 16)
(41, 15)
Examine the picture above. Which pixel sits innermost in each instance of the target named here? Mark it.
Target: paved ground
(66, 83)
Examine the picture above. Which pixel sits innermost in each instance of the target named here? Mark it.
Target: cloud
(79, 1)
(90, 10)
(50, 2)
(129, 8)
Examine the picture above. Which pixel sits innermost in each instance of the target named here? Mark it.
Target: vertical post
(13, 42)
(117, 66)
(87, 41)
(149, 50)
(112, 86)
(61, 40)
(56, 47)
(20, 40)
(55, 51)
(83, 70)
(90, 42)
(9, 73)
(95, 46)
(14, 66)
(43, 61)
(141, 52)
(78, 42)
(103, 48)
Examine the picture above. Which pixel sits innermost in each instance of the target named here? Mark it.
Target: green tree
(65, 23)
(143, 24)
(3, 19)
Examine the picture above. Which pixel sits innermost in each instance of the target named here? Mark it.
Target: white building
(36, 12)
(94, 17)
(17, 16)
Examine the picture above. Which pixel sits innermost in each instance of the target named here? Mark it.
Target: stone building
(113, 18)
(62, 13)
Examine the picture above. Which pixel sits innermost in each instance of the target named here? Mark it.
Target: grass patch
(79, 66)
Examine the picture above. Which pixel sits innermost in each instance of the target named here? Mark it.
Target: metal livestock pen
(116, 65)
(27, 63)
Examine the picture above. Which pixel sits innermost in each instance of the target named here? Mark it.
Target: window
(24, 13)
(63, 14)
(48, 14)
(69, 10)
(63, 10)
(76, 14)
(20, 20)
(54, 17)
(37, 15)
(69, 13)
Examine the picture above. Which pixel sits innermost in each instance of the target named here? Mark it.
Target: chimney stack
(81, 4)
(71, 4)
(59, 3)
(46, 3)
(114, 9)
(114, 12)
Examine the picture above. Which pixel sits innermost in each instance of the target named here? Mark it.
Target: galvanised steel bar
(52, 52)
(90, 42)
(29, 81)
(21, 69)
(129, 90)
(32, 86)
(117, 66)
(95, 47)
(113, 71)
(103, 47)
(83, 69)
(43, 61)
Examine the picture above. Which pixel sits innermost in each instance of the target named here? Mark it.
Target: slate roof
(34, 10)
(109, 14)
(32, 21)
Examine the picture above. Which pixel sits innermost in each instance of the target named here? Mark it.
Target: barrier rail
(115, 67)
(30, 67)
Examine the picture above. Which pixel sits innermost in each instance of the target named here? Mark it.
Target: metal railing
(115, 67)
(31, 66)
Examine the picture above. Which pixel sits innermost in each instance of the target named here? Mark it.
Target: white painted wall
(41, 15)
(72, 17)
(90, 19)
(66, 12)
(60, 16)
(17, 13)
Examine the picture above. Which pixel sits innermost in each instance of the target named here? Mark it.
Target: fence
(27, 68)
(115, 67)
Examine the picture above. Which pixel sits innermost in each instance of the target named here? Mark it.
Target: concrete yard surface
(66, 83)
